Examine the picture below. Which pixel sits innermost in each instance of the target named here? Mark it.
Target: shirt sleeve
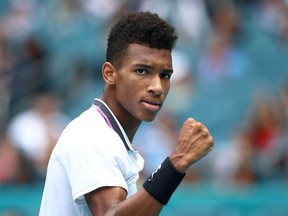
(90, 156)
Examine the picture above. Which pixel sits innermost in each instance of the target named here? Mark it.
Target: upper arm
(102, 200)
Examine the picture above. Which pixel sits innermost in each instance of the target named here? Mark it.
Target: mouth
(152, 105)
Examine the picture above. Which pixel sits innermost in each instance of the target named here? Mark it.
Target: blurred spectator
(35, 130)
(102, 10)
(273, 15)
(221, 56)
(258, 151)
(190, 18)
(264, 123)
(14, 168)
(244, 172)
(5, 76)
(9, 161)
(264, 137)
(29, 73)
(283, 35)
(22, 64)
(283, 162)
(20, 19)
(233, 161)
(5, 55)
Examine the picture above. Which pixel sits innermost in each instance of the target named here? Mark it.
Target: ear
(109, 73)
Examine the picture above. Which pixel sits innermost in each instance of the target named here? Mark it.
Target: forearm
(140, 204)
(113, 201)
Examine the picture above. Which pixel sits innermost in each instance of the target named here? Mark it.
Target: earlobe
(109, 73)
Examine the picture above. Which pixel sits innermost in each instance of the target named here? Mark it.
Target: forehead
(142, 54)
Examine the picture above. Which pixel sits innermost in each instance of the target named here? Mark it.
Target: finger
(193, 122)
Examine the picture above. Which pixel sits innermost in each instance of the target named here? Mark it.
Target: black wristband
(163, 182)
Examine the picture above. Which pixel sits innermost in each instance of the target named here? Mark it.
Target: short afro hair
(144, 28)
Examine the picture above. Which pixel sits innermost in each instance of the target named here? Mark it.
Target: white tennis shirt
(88, 155)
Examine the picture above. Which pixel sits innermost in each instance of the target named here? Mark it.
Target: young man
(93, 168)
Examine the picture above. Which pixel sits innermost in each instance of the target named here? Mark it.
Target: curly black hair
(144, 28)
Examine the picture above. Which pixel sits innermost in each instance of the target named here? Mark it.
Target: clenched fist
(194, 142)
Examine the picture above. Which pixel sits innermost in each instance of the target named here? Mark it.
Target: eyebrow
(145, 66)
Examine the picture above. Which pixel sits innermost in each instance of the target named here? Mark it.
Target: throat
(130, 130)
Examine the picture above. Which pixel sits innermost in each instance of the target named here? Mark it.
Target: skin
(135, 93)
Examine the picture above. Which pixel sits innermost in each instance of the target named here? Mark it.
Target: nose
(155, 86)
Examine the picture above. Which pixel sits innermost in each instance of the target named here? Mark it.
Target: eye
(166, 75)
(141, 71)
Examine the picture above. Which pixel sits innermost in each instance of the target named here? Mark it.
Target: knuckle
(190, 121)
(211, 139)
(197, 127)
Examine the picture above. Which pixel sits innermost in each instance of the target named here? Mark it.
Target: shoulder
(89, 130)
(89, 121)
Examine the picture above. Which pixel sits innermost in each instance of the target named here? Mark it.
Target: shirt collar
(112, 121)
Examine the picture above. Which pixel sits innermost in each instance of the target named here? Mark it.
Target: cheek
(127, 89)
(166, 88)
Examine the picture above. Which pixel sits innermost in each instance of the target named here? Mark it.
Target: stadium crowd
(230, 73)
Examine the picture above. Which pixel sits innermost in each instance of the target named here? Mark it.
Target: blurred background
(231, 73)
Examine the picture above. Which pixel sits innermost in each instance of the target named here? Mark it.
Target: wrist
(164, 181)
(179, 162)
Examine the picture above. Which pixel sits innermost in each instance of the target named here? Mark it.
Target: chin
(150, 119)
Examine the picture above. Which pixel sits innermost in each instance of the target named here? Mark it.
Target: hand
(194, 142)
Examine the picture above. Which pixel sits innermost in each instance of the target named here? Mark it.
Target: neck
(127, 121)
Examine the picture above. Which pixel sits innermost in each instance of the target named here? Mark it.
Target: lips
(152, 105)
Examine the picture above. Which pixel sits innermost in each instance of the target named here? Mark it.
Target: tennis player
(94, 167)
